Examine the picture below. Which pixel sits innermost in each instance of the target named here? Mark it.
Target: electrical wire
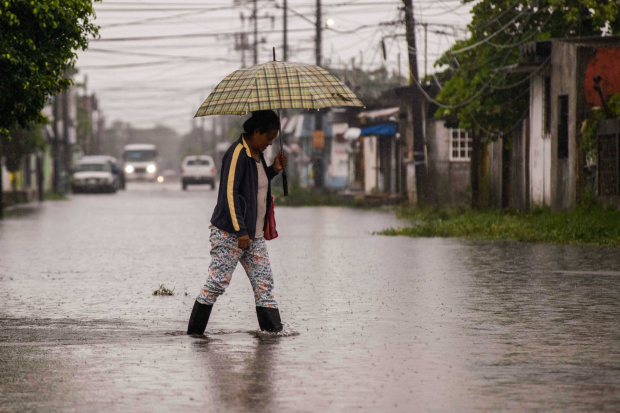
(486, 39)
(176, 16)
(185, 36)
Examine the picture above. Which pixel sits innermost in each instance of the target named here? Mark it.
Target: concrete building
(546, 165)
(447, 155)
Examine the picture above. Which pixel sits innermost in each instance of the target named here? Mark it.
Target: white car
(117, 168)
(93, 176)
(198, 169)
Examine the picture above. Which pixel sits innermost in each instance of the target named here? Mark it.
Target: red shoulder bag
(270, 229)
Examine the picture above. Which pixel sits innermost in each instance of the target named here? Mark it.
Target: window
(204, 162)
(563, 127)
(460, 145)
(92, 167)
(547, 107)
(140, 156)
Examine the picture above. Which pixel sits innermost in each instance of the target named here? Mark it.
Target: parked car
(91, 175)
(117, 167)
(198, 169)
(169, 175)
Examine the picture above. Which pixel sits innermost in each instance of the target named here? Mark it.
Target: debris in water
(162, 290)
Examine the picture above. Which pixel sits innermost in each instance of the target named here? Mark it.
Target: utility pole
(399, 74)
(1, 183)
(255, 17)
(318, 39)
(318, 136)
(56, 144)
(241, 40)
(416, 156)
(425, 49)
(241, 43)
(285, 33)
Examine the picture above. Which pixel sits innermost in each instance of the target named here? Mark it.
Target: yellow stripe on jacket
(231, 183)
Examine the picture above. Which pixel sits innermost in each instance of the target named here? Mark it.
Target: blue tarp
(385, 129)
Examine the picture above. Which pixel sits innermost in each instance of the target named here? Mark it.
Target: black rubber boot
(269, 319)
(199, 318)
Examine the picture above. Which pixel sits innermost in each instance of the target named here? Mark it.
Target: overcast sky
(158, 60)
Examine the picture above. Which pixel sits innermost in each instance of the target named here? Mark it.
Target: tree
(22, 142)
(488, 100)
(38, 44)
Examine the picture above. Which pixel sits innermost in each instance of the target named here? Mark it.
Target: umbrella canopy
(277, 85)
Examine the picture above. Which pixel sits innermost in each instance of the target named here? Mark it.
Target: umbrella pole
(284, 177)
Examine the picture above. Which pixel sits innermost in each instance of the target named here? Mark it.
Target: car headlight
(151, 169)
(129, 169)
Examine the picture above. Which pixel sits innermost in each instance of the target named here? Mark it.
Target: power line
(489, 37)
(156, 63)
(176, 16)
(184, 36)
(121, 52)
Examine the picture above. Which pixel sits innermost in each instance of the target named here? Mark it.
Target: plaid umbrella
(277, 85)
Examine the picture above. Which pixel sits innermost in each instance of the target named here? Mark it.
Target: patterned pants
(225, 254)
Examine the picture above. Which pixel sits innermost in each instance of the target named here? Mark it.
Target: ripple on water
(287, 331)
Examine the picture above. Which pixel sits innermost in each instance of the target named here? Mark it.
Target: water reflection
(549, 319)
(240, 369)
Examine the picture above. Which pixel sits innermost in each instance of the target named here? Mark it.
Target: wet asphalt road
(377, 324)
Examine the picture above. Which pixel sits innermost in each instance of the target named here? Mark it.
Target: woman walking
(238, 222)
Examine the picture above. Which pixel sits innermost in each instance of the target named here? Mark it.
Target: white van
(140, 162)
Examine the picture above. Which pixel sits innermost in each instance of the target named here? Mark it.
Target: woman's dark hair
(263, 120)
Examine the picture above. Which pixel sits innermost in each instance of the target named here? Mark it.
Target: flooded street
(375, 323)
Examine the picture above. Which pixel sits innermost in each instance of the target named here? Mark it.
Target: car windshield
(140, 156)
(92, 167)
(198, 162)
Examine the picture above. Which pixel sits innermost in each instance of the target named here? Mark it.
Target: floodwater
(375, 324)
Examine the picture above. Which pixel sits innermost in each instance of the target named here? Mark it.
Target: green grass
(299, 197)
(53, 196)
(18, 212)
(586, 226)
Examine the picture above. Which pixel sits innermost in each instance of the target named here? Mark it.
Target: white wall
(338, 169)
(370, 163)
(6, 183)
(540, 147)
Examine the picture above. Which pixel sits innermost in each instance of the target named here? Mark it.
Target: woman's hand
(244, 242)
(279, 162)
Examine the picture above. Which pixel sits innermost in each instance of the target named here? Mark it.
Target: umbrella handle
(284, 182)
(284, 177)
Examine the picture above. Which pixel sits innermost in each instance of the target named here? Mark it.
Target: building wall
(370, 164)
(564, 82)
(540, 147)
(447, 181)
(519, 167)
(6, 181)
(492, 185)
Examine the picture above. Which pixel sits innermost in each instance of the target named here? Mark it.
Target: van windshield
(92, 167)
(140, 156)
